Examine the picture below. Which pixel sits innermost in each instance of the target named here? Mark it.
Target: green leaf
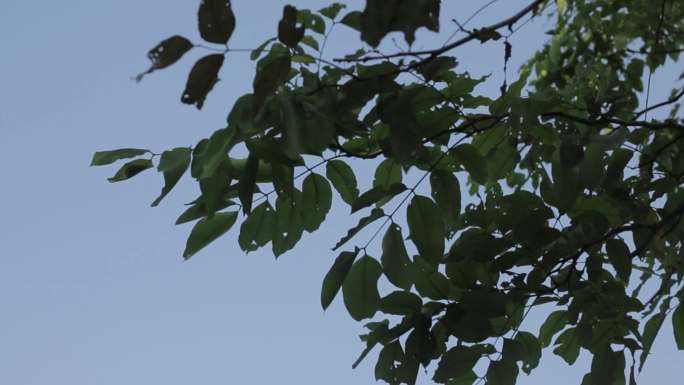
(316, 201)
(678, 325)
(103, 158)
(199, 210)
(332, 10)
(203, 76)
(385, 367)
(247, 183)
(131, 169)
(502, 373)
(216, 21)
(172, 164)
(166, 53)
(216, 150)
(619, 256)
(352, 20)
(336, 276)
(289, 224)
(568, 346)
(360, 289)
(455, 363)
(311, 42)
(208, 230)
(257, 230)
(311, 21)
(343, 179)
(446, 191)
(395, 260)
(426, 227)
(532, 350)
(363, 222)
(554, 323)
(375, 195)
(473, 162)
(400, 303)
(616, 167)
(272, 71)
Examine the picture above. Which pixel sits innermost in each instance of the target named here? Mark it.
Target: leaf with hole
(203, 76)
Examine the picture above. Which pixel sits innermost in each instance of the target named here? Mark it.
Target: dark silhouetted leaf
(257, 230)
(289, 224)
(381, 17)
(248, 183)
(343, 179)
(131, 169)
(426, 227)
(400, 303)
(274, 71)
(678, 325)
(619, 257)
(103, 158)
(554, 323)
(360, 289)
(208, 230)
(203, 76)
(166, 53)
(456, 362)
(446, 191)
(395, 260)
(172, 164)
(363, 222)
(502, 373)
(288, 31)
(216, 21)
(473, 162)
(352, 20)
(377, 194)
(316, 201)
(336, 275)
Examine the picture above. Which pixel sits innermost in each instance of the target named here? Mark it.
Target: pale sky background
(93, 290)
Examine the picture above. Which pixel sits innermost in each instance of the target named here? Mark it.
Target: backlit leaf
(208, 230)
(360, 289)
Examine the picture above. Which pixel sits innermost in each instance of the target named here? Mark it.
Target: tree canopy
(563, 192)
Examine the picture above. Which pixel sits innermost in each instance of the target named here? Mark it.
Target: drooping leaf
(103, 158)
(649, 334)
(203, 76)
(446, 191)
(131, 169)
(258, 229)
(216, 150)
(172, 164)
(395, 260)
(387, 173)
(532, 350)
(375, 195)
(274, 70)
(374, 215)
(360, 290)
(619, 257)
(336, 276)
(426, 227)
(288, 32)
(208, 230)
(216, 21)
(316, 201)
(247, 184)
(289, 223)
(166, 53)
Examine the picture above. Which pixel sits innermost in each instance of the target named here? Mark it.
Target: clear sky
(92, 286)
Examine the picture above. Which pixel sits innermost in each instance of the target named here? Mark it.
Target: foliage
(559, 192)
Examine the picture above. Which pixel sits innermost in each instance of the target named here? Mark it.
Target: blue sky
(92, 286)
